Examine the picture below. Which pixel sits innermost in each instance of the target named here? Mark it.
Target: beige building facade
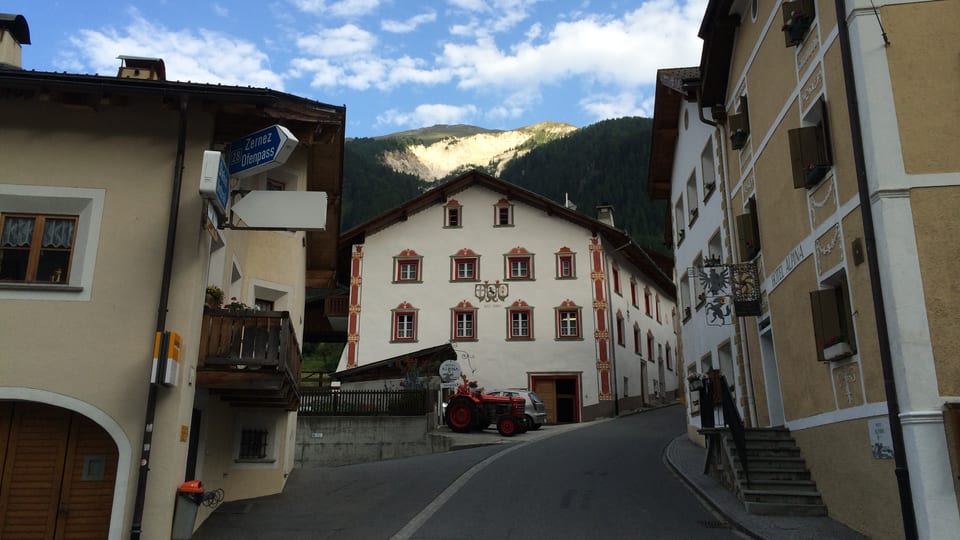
(106, 242)
(839, 178)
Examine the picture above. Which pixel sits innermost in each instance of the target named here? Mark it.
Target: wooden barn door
(58, 473)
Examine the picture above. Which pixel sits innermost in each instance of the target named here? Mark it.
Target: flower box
(695, 384)
(837, 351)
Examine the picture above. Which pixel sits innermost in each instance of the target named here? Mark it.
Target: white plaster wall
(492, 360)
(698, 338)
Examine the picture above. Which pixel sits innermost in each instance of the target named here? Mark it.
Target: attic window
(452, 214)
(797, 18)
(503, 214)
(810, 153)
(739, 125)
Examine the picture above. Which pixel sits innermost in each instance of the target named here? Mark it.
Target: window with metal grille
(253, 444)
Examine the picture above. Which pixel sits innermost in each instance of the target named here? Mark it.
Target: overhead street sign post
(260, 151)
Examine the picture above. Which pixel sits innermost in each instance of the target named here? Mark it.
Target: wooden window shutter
(826, 320)
(745, 233)
(951, 424)
(808, 155)
(846, 313)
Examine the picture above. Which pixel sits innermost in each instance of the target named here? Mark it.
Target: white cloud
(353, 8)
(343, 8)
(201, 56)
(428, 115)
(220, 11)
(409, 25)
(348, 40)
(515, 105)
(602, 106)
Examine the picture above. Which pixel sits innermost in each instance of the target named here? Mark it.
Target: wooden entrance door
(547, 390)
(58, 473)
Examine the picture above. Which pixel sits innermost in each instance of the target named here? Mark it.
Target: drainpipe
(869, 238)
(741, 324)
(136, 529)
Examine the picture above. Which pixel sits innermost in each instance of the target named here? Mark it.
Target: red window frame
(455, 270)
(452, 214)
(455, 327)
(565, 314)
(503, 214)
(646, 300)
(511, 259)
(658, 308)
(570, 272)
(650, 348)
(399, 316)
(520, 312)
(636, 339)
(401, 265)
(620, 330)
(616, 280)
(633, 292)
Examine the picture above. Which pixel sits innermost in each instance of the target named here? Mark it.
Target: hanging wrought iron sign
(726, 291)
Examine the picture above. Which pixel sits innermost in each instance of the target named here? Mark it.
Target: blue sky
(395, 64)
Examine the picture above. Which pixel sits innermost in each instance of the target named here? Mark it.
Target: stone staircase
(779, 481)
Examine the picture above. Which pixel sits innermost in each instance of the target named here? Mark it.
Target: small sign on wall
(881, 443)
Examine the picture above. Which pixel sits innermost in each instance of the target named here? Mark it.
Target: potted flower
(236, 305)
(836, 348)
(796, 26)
(815, 173)
(695, 380)
(214, 297)
(738, 138)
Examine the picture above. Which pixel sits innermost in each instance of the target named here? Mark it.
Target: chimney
(14, 33)
(137, 67)
(605, 213)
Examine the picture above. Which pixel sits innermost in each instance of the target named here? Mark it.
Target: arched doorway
(59, 472)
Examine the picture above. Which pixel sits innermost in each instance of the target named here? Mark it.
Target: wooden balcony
(325, 319)
(250, 358)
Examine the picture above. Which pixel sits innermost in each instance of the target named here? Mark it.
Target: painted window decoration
(36, 248)
(620, 329)
(465, 266)
(503, 214)
(520, 321)
(452, 214)
(404, 323)
(568, 320)
(463, 322)
(566, 264)
(616, 279)
(407, 266)
(518, 264)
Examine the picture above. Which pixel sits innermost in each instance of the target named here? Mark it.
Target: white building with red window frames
(531, 294)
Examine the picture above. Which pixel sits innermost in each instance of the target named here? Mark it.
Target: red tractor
(470, 409)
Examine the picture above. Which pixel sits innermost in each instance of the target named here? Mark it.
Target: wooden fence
(336, 402)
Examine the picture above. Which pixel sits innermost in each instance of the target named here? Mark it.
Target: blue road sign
(260, 151)
(215, 180)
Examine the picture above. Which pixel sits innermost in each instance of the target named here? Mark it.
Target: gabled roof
(672, 87)
(391, 367)
(637, 255)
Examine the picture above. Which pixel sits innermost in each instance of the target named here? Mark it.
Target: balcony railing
(250, 358)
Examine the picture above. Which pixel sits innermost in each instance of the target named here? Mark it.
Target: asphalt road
(604, 480)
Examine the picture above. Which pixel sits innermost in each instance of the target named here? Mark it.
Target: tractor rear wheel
(507, 426)
(460, 415)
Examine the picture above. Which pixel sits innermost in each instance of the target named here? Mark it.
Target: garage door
(58, 473)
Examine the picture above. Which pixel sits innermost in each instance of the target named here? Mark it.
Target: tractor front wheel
(507, 426)
(460, 413)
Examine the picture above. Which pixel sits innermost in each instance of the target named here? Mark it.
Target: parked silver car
(535, 412)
